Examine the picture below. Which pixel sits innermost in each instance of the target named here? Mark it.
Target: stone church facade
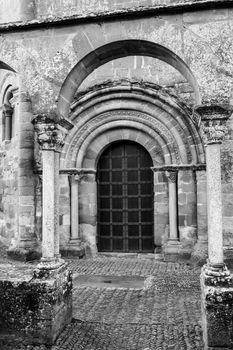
(100, 106)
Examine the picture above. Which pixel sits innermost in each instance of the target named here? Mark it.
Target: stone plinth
(217, 311)
(34, 305)
(74, 249)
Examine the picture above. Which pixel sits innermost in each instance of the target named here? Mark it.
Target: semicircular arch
(89, 155)
(114, 50)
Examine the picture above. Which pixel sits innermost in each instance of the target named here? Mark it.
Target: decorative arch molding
(8, 87)
(114, 50)
(151, 109)
(88, 158)
(126, 119)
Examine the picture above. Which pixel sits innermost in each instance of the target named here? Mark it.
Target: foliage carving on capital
(171, 175)
(213, 125)
(49, 135)
(214, 132)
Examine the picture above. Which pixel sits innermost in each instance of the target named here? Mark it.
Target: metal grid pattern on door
(125, 199)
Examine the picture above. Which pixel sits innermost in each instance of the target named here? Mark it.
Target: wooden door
(125, 199)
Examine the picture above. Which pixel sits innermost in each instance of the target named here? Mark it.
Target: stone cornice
(164, 6)
(177, 167)
(71, 171)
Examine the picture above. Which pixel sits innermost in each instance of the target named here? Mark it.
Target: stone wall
(43, 57)
(202, 40)
(47, 10)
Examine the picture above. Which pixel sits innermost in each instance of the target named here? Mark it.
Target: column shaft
(8, 127)
(213, 168)
(172, 194)
(173, 211)
(74, 209)
(49, 205)
(56, 209)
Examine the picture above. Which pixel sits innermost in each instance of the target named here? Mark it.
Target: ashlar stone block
(35, 304)
(217, 312)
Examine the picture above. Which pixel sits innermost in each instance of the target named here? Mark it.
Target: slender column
(214, 196)
(56, 208)
(74, 184)
(49, 203)
(7, 111)
(50, 139)
(213, 127)
(172, 191)
(200, 253)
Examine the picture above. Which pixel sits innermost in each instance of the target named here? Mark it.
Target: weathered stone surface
(35, 305)
(217, 312)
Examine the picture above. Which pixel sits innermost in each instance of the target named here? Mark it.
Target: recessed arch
(152, 109)
(114, 50)
(89, 153)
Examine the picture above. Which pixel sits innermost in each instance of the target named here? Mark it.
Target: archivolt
(146, 109)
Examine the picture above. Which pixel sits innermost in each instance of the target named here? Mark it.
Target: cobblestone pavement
(164, 315)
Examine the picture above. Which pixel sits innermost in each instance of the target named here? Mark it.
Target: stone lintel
(177, 167)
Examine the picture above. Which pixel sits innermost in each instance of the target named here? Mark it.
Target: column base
(217, 307)
(35, 309)
(24, 250)
(171, 250)
(48, 266)
(74, 249)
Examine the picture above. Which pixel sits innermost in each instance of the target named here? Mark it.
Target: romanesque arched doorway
(125, 199)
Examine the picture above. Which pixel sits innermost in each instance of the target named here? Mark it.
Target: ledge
(165, 6)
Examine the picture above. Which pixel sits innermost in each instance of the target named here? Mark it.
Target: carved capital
(7, 110)
(171, 175)
(213, 126)
(50, 136)
(75, 178)
(213, 132)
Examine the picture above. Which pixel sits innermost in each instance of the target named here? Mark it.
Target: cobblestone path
(164, 315)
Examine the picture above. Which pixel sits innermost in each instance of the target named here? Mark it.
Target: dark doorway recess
(125, 199)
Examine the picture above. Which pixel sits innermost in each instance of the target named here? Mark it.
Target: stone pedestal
(34, 305)
(217, 309)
